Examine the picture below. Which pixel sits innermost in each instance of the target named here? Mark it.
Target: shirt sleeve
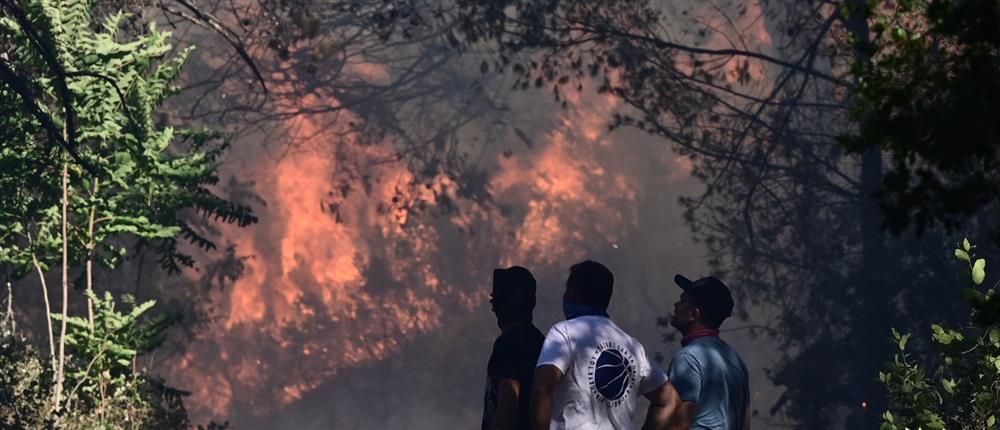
(685, 374)
(556, 350)
(652, 378)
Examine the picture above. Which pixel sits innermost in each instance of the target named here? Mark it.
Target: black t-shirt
(514, 356)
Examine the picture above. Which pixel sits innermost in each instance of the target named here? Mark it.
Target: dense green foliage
(930, 97)
(88, 99)
(86, 171)
(104, 391)
(25, 381)
(963, 392)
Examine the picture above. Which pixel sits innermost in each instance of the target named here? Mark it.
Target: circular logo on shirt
(612, 373)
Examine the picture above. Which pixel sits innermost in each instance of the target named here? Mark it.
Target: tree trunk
(874, 297)
(48, 310)
(65, 283)
(871, 329)
(90, 254)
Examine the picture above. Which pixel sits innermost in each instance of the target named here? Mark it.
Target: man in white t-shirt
(590, 372)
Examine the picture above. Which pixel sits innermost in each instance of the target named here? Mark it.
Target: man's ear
(696, 313)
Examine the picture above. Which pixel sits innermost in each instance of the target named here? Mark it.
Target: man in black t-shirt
(512, 364)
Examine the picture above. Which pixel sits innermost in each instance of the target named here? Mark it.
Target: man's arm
(547, 377)
(662, 403)
(684, 416)
(508, 395)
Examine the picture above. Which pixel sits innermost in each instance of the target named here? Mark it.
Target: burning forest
(401, 214)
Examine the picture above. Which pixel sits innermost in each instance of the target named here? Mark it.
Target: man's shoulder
(584, 324)
(701, 347)
(532, 329)
(694, 353)
(519, 335)
(567, 326)
(528, 334)
(626, 337)
(717, 344)
(687, 353)
(527, 340)
(709, 351)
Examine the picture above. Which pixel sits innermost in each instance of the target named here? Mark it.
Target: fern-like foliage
(131, 174)
(78, 96)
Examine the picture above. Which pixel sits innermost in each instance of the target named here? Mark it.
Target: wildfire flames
(333, 279)
(336, 276)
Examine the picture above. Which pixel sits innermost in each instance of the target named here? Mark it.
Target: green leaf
(902, 341)
(966, 245)
(962, 255)
(995, 336)
(945, 336)
(991, 421)
(931, 420)
(949, 385)
(979, 271)
(940, 335)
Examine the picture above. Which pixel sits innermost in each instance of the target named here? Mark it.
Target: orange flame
(339, 279)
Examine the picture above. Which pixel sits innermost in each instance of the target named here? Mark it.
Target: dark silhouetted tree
(930, 98)
(788, 215)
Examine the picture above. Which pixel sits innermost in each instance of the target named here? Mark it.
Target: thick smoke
(359, 300)
(334, 280)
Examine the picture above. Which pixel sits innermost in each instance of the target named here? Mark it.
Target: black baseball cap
(710, 294)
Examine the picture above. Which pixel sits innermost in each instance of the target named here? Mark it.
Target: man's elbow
(662, 403)
(665, 397)
(538, 390)
(673, 400)
(683, 416)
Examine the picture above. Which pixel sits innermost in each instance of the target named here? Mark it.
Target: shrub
(963, 390)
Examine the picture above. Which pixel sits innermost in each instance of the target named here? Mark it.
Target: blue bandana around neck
(572, 310)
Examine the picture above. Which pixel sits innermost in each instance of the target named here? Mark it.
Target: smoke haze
(360, 298)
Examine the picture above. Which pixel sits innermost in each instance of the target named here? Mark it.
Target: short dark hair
(592, 282)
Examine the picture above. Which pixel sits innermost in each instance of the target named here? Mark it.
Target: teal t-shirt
(709, 372)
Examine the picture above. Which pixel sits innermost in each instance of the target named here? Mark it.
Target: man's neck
(507, 326)
(697, 333)
(695, 327)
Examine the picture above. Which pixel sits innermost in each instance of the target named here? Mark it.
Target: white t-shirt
(604, 372)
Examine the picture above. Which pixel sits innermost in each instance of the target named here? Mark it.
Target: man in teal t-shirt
(709, 375)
